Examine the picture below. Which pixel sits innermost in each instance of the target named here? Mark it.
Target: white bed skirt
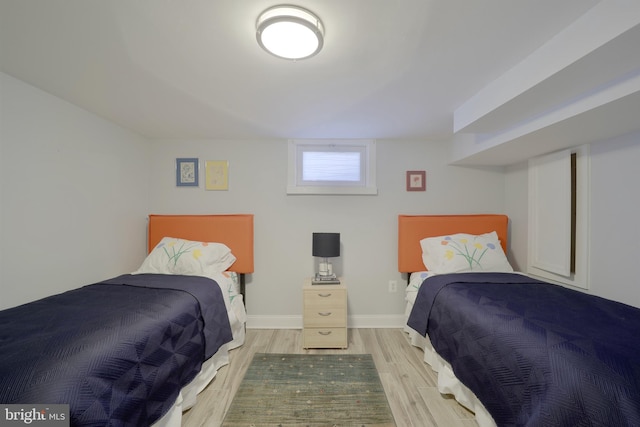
(189, 393)
(448, 383)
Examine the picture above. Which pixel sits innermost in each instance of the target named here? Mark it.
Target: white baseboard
(379, 321)
(357, 321)
(274, 322)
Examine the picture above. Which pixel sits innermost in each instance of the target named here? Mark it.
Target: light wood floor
(409, 383)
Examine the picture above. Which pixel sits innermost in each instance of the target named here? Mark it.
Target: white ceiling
(193, 69)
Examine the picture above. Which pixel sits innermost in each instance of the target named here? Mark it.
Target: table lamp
(325, 246)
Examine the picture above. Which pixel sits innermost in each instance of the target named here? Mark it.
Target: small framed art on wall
(216, 175)
(416, 180)
(187, 172)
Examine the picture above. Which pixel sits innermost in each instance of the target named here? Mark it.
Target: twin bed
(514, 350)
(136, 349)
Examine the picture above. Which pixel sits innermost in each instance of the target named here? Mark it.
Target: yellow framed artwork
(216, 175)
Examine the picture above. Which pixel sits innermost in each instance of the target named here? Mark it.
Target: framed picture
(416, 180)
(216, 175)
(187, 172)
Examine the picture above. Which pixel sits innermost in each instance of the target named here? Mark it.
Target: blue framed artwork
(187, 172)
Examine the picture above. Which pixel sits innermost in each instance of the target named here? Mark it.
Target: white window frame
(541, 232)
(366, 185)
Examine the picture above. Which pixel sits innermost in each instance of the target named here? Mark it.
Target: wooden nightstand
(324, 316)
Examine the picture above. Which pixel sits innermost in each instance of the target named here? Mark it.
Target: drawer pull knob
(324, 295)
(324, 332)
(326, 313)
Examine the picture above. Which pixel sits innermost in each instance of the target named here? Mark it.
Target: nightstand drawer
(325, 337)
(325, 316)
(324, 298)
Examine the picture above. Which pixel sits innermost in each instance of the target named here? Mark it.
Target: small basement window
(332, 167)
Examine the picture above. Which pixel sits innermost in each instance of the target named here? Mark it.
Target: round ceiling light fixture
(290, 32)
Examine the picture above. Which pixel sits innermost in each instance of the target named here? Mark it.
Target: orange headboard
(413, 228)
(235, 231)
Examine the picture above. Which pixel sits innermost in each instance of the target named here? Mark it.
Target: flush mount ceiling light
(290, 32)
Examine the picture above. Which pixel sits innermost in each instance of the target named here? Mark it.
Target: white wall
(75, 191)
(516, 208)
(614, 212)
(73, 194)
(615, 216)
(284, 224)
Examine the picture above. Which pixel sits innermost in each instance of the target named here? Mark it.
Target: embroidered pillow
(464, 252)
(179, 256)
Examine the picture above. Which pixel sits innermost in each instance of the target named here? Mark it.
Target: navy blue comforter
(534, 353)
(118, 352)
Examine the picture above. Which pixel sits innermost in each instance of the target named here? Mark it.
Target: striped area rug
(310, 390)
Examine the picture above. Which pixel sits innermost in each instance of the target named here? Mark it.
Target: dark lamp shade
(326, 245)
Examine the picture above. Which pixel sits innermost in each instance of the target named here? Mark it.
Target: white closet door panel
(550, 212)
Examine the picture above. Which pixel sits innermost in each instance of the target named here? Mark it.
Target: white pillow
(179, 256)
(464, 252)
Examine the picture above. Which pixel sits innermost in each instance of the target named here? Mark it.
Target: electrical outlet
(393, 286)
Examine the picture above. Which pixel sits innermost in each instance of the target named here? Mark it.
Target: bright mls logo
(34, 415)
